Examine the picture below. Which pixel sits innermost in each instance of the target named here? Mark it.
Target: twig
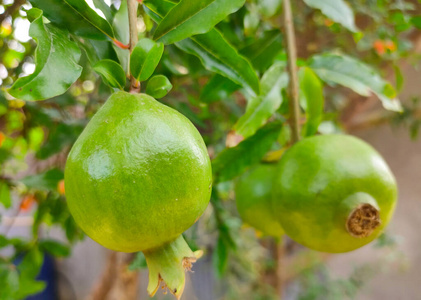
(280, 264)
(294, 119)
(132, 10)
(294, 109)
(108, 277)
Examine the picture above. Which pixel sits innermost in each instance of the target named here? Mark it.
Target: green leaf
(336, 10)
(31, 263)
(354, 74)
(4, 241)
(191, 17)
(5, 198)
(251, 22)
(106, 10)
(76, 16)
(218, 88)
(215, 53)
(232, 162)
(122, 32)
(311, 91)
(121, 23)
(145, 58)
(111, 72)
(9, 280)
(28, 286)
(4, 155)
(262, 107)
(47, 180)
(55, 248)
(269, 8)
(263, 51)
(416, 21)
(158, 86)
(220, 257)
(98, 50)
(158, 9)
(56, 63)
(73, 232)
(60, 136)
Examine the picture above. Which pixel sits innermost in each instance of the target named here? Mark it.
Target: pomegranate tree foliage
(226, 64)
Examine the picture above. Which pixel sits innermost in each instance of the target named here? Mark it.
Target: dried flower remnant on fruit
(363, 221)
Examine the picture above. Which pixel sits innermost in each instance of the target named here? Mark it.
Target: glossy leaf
(56, 63)
(215, 53)
(108, 11)
(158, 86)
(311, 91)
(354, 74)
(218, 88)
(158, 9)
(98, 50)
(5, 198)
(263, 51)
(111, 72)
(232, 162)
(145, 58)
(336, 10)
(191, 17)
(76, 16)
(262, 107)
(122, 32)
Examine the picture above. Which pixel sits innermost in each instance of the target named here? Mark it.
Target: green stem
(168, 264)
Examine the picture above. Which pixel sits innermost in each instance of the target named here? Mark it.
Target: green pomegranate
(333, 193)
(253, 192)
(137, 177)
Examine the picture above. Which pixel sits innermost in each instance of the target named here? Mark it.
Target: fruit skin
(320, 180)
(253, 192)
(138, 176)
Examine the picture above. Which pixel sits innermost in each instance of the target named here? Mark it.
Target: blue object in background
(48, 275)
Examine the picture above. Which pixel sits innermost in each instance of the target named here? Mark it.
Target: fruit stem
(362, 214)
(363, 220)
(168, 264)
(132, 11)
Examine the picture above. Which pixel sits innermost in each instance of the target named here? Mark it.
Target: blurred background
(43, 253)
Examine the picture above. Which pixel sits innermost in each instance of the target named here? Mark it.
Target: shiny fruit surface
(139, 174)
(333, 193)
